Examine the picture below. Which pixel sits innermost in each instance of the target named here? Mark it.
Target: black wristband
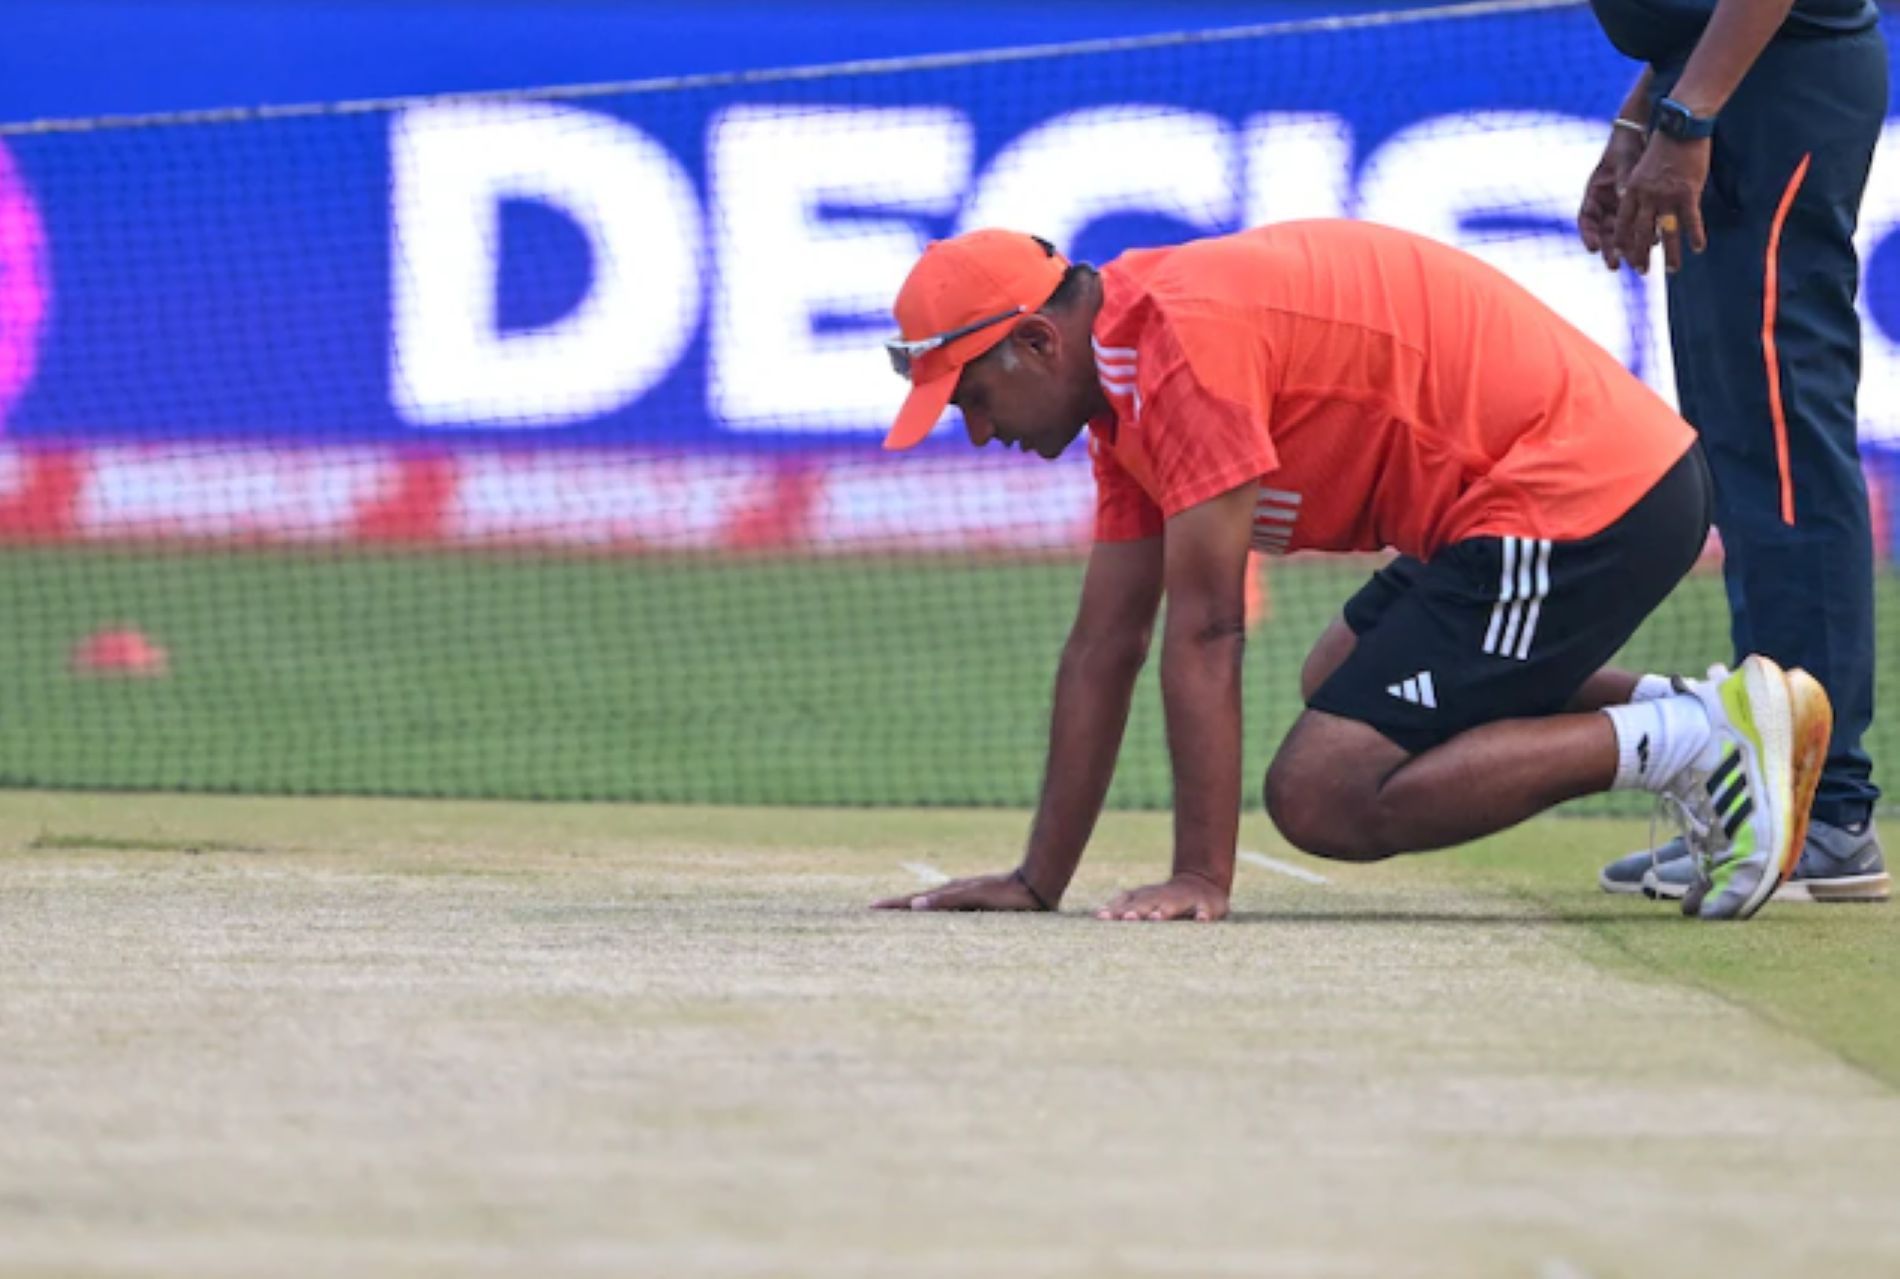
(1673, 120)
(1030, 888)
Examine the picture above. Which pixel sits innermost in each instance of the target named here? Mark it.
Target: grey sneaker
(1625, 874)
(1838, 864)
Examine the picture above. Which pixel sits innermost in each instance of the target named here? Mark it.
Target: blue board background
(91, 57)
(233, 282)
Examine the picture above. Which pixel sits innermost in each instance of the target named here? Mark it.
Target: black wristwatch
(1674, 120)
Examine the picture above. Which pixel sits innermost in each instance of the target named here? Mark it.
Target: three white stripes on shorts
(1522, 588)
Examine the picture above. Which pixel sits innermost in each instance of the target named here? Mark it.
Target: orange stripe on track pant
(1770, 289)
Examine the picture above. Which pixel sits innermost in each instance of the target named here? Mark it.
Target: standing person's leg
(1767, 346)
(1789, 484)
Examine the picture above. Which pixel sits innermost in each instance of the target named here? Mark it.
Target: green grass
(1828, 973)
(859, 681)
(79, 841)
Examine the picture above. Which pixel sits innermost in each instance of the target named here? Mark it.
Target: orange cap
(960, 282)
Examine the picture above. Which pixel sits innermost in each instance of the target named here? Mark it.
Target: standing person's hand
(1596, 220)
(1663, 202)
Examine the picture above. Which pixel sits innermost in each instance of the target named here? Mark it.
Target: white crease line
(1279, 867)
(924, 871)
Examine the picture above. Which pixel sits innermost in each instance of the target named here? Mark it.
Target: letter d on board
(451, 363)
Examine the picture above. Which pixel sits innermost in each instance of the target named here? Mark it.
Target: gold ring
(1667, 224)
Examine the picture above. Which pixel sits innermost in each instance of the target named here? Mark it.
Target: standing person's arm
(1663, 197)
(1596, 220)
(1206, 571)
(1738, 31)
(1094, 685)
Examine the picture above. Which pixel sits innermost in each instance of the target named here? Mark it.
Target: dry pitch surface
(253, 1037)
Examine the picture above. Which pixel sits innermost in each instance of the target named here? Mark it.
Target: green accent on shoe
(1741, 711)
(1741, 834)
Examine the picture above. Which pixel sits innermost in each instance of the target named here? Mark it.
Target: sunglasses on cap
(904, 353)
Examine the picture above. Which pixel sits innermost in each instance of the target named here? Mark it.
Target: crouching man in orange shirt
(1341, 386)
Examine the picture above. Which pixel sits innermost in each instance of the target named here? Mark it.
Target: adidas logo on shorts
(1417, 690)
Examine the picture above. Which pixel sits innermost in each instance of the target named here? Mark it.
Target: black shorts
(1507, 627)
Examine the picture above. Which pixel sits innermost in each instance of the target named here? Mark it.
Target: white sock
(1657, 738)
(1650, 687)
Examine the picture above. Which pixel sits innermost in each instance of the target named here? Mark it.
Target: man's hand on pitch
(979, 892)
(1183, 897)
(1596, 220)
(1663, 202)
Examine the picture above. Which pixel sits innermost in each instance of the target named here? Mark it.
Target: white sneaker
(1772, 729)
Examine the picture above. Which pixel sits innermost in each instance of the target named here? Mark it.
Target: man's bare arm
(1603, 193)
(1635, 106)
(1094, 684)
(1738, 31)
(1200, 679)
(1205, 573)
(1662, 198)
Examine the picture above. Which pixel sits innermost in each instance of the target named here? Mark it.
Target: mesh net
(525, 445)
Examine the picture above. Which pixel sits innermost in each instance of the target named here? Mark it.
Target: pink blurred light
(25, 284)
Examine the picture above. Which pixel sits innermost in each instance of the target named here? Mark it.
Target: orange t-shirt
(1384, 389)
